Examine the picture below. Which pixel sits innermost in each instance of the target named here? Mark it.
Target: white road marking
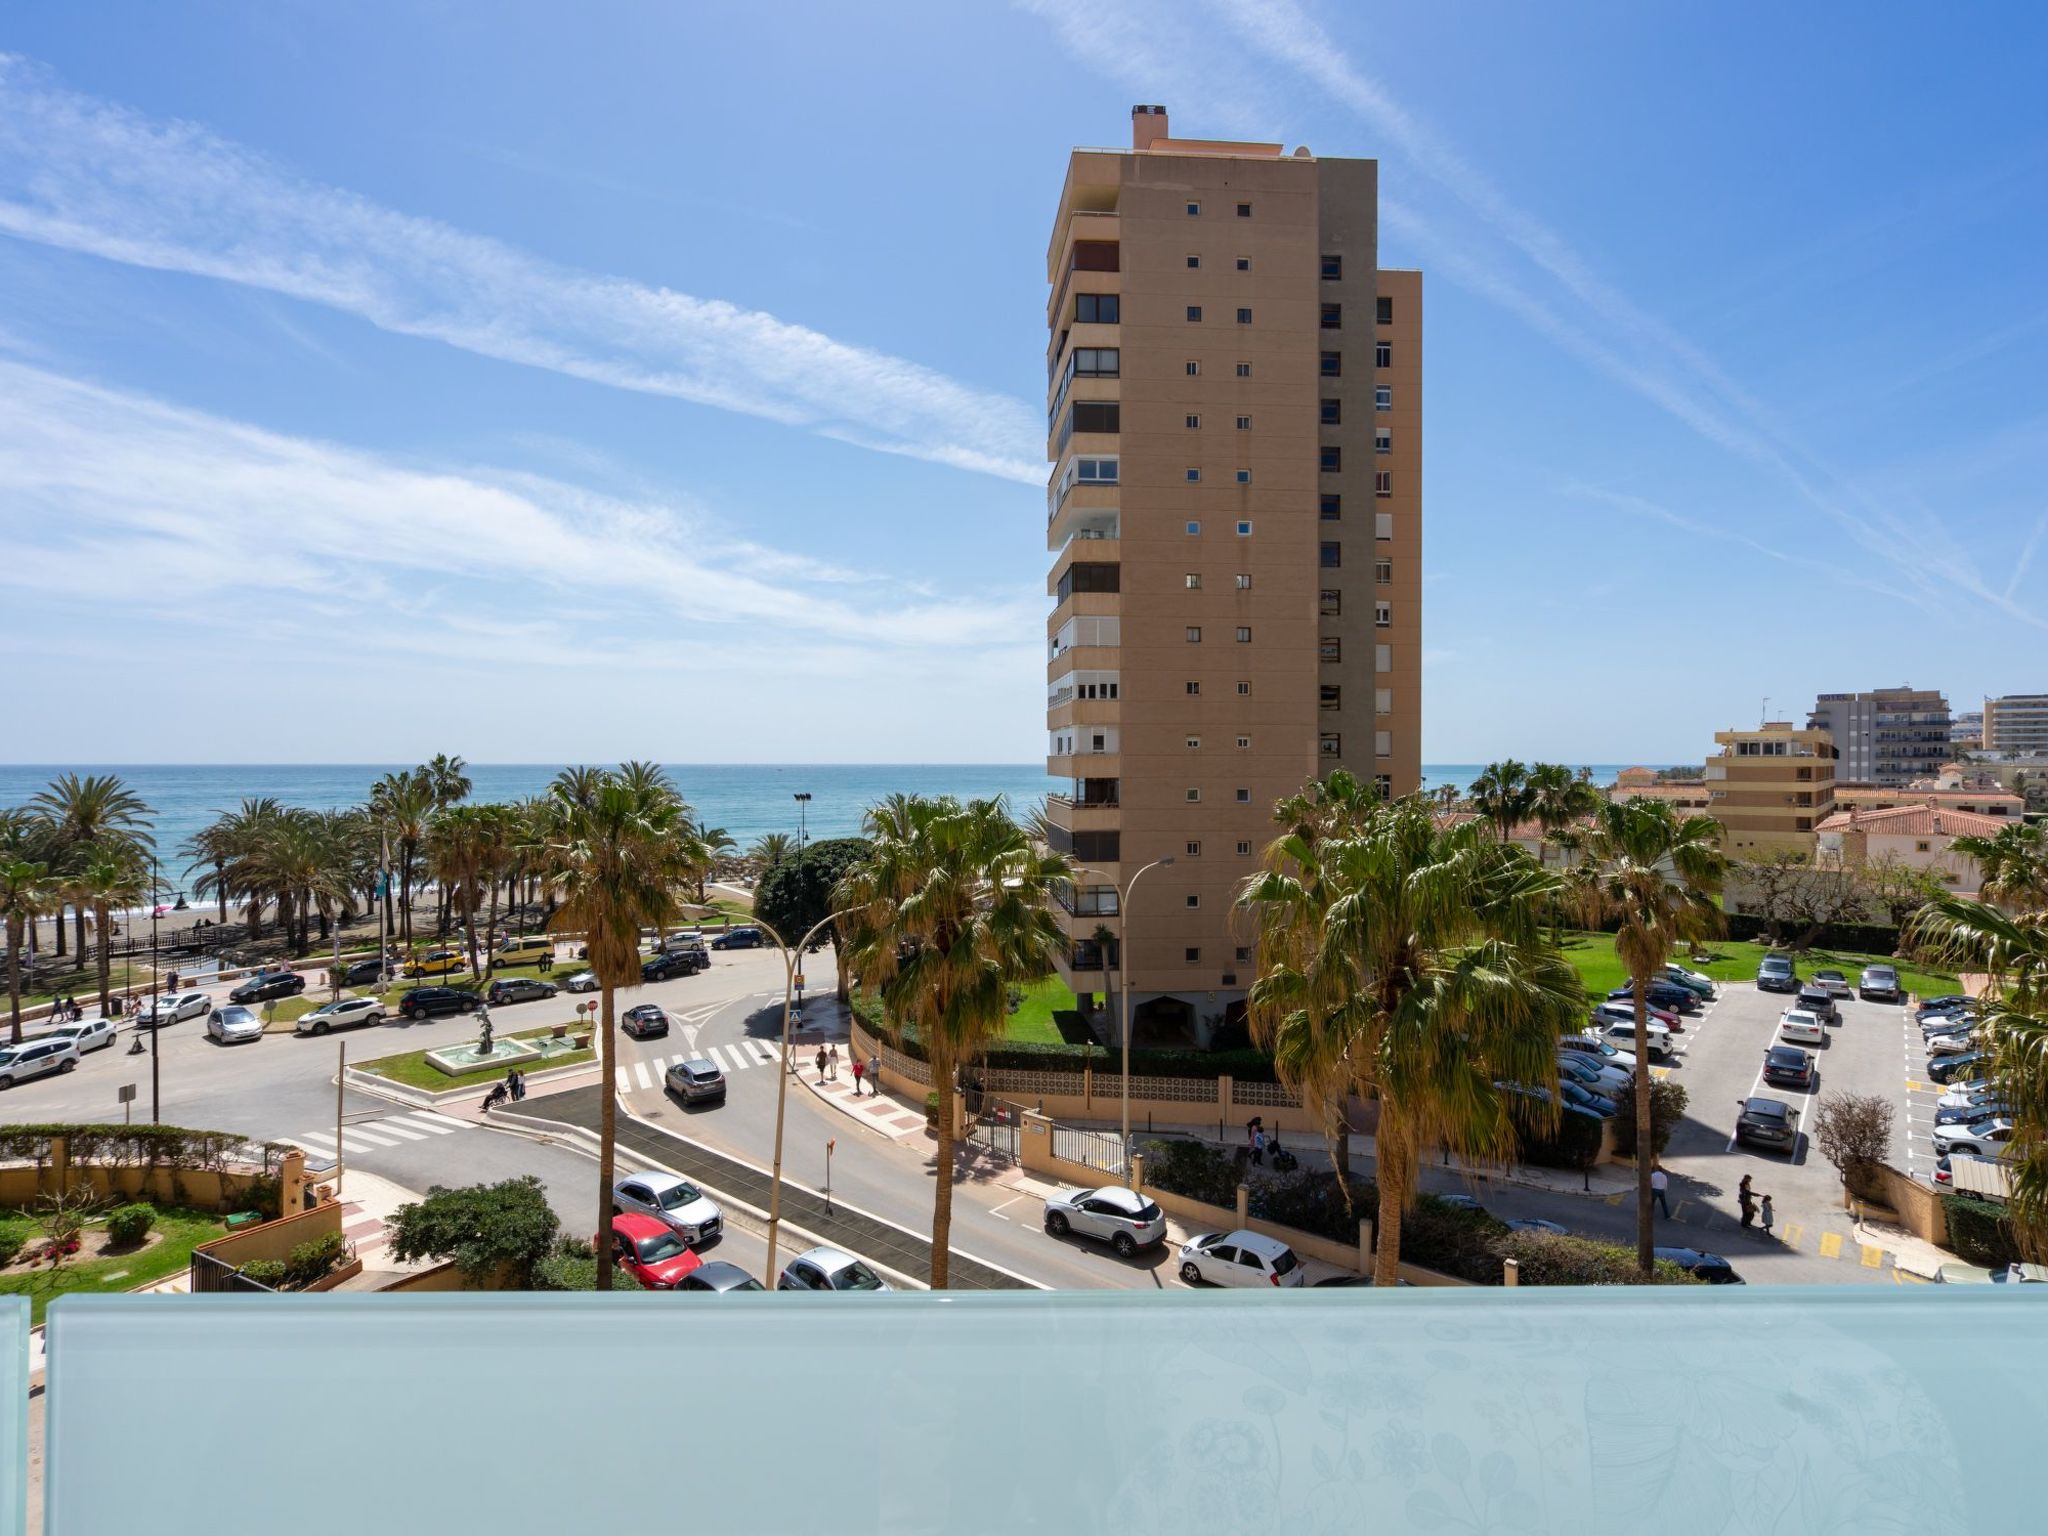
(393, 1128)
(763, 1053)
(640, 1072)
(313, 1141)
(356, 1133)
(740, 1058)
(433, 1120)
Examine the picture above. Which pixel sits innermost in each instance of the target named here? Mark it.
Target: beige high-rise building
(2017, 722)
(1771, 787)
(1234, 415)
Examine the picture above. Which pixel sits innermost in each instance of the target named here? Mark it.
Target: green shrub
(130, 1224)
(1193, 1169)
(1452, 1240)
(13, 1238)
(1545, 1258)
(572, 1266)
(311, 1261)
(1077, 1051)
(1574, 1142)
(1980, 1231)
(1314, 1202)
(1667, 1108)
(270, 1272)
(265, 1196)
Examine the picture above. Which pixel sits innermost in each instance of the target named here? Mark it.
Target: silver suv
(1124, 1219)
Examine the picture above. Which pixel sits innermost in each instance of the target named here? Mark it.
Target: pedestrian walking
(1764, 1212)
(1746, 1198)
(832, 1060)
(821, 1063)
(875, 1074)
(512, 1084)
(518, 1085)
(1258, 1145)
(1660, 1181)
(860, 1070)
(174, 981)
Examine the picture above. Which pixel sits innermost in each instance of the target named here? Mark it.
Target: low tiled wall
(275, 1239)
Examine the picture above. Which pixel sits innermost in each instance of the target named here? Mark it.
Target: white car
(1976, 1091)
(233, 1024)
(1239, 1258)
(828, 1269)
(169, 1009)
(1798, 1027)
(35, 1058)
(1620, 1034)
(87, 1034)
(1121, 1217)
(346, 1014)
(1984, 1138)
(582, 981)
(689, 1214)
(1608, 1082)
(1599, 1050)
(1952, 1045)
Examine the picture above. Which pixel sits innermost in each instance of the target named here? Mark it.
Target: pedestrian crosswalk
(735, 1057)
(389, 1131)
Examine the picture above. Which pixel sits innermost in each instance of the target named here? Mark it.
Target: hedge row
(1861, 938)
(1980, 1231)
(159, 1145)
(1246, 1066)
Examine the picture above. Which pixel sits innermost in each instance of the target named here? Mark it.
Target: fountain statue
(483, 1019)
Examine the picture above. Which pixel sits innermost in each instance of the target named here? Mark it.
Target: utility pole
(156, 1018)
(340, 1092)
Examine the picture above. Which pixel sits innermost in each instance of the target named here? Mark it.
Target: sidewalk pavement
(1911, 1255)
(828, 1021)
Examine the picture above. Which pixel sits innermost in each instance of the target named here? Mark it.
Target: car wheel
(320, 1028)
(1055, 1223)
(1190, 1274)
(68, 1065)
(1124, 1244)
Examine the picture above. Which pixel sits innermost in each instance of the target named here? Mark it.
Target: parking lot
(1720, 1061)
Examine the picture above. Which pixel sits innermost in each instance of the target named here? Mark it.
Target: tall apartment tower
(1234, 416)
(1771, 787)
(1887, 737)
(2017, 722)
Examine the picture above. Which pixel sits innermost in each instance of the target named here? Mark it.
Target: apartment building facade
(1234, 420)
(1771, 787)
(2018, 722)
(1888, 736)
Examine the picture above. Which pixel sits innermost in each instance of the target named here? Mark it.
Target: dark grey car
(718, 1275)
(1768, 1123)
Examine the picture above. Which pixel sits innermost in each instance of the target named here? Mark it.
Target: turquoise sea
(747, 799)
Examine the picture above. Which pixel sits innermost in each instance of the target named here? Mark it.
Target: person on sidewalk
(832, 1060)
(518, 1085)
(1660, 1181)
(860, 1070)
(1745, 1197)
(1764, 1213)
(821, 1073)
(1258, 1144)
(512, 1084)
(875, 1074)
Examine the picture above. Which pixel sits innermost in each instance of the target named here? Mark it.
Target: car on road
(1763, 1122)
(1798, 1027)
(1619, 1033)
(1952, 1042)
(696, 1082)
(677, 1202)
(1977, 1138)
(1786, 1066)
(436, 962)
(426, 1002)
(1947, 1069)
(346, 1014)
(1775, 974)
(739, 938)
(582, 981)
(168, 1008)
(518, 989)
(1120, 1217)
(1586, 1071)
(663, 967)
(359, 973)
(234, 1024)
(1710, 1267)
(1879, 983)
(2014, 1275)
(86, 1034)
(1239, 1258)
(1668, 995)
(718, 1275)
(828, 1269)
(652, 1254)
(645, 1021)
(1971, 1111)
(1835, 982)
(1625, 1013)
(1600, 1050)
(266, 985)
(35, 1058)
(1698, 983)
(1819, 1002)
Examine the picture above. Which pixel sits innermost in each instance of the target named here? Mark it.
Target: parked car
(1767, 1123)
(266, 985)
(1879, 982)
(1978, 1138)
(827, 1269)
(738, 938)
(525, 949)
(679, 1203)
(1710, 1267)
(1538, 1224)
(1696, 982)
(652, 1254)
(1798, 1027)
(35, 1058)
(2014, 1275)
(1591, 1044)
(234, 1024)
(1541, 1095)
(1819, 1002)
(582, 981)
(696, 1082)
(1775, 974)
(663, 967)
(1608, 1082)
(1578, 1096)
(645, 1021)
(426, 1002)
(518, 989)
(1952, 1043)
(1625, 1013)
(1947, 1069)
(1662, 992)
(1620, 1033)
(1944, 1172)
(687, 942)
(167, 1008)
(1974, 1091)
(87, 1034)
(1945, 1002)
(1970, 1113)
(1947, 1024)
(436, 962)
(1786, 1066)
(346, 1014)
(1239, 1258)
(358, 973)
(717, 1275)
(1835, 982)
(1120, 1217)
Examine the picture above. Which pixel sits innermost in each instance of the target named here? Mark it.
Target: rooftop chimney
(1148, 124)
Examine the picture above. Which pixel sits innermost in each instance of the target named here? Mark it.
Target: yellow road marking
(1831, 1245)
(1906, 1277)
(1793, 1232)
(1660, 1073)
(1872, 1257)
(1614, 1199)
(1913, 1087)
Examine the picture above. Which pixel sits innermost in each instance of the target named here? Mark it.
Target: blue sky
(384, 379)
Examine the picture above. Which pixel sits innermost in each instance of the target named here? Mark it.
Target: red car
(651, 1252)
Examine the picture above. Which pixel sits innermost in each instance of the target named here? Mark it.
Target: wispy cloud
(84, 175)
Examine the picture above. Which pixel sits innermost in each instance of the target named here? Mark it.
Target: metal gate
(212, 1275)
(997, 1125)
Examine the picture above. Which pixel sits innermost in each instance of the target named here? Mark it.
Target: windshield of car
(1765, 1109)
(653, 1250)
(8, 1056)
(677, 1196)
(856, 1277)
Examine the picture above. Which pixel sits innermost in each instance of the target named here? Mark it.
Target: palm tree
(1403, 959)
(27, 895)
(2013, 951)
(112, 875)
(86, 812)
(771, 848)
(951, 908)
(2014, 866)
(447, 780)
(1559, 800)
(713, 844)
(1502, 795)
(459, 848)
(402, 804)
(1654, 875)
(612, 852)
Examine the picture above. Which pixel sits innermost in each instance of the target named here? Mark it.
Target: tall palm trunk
(467, 896)
(14, 978)
(78, 918)
(1394, 1169)
(99, 913)
(1646, 1158)
(220, 893)
(943, 1075)
(490, 928)
(607, 1137)
(58, 924)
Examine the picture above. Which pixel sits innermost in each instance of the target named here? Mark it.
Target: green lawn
(182, 1231)
(1593, 954)
(1034, 1021)
(81, 984)
(413, 1069)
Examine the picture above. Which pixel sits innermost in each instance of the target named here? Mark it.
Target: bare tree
(1898, 888)
(1854, 1132)
(1769, 887)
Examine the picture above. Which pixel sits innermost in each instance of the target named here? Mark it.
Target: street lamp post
(792, 959)
(156, 1020)
(1123, 973)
